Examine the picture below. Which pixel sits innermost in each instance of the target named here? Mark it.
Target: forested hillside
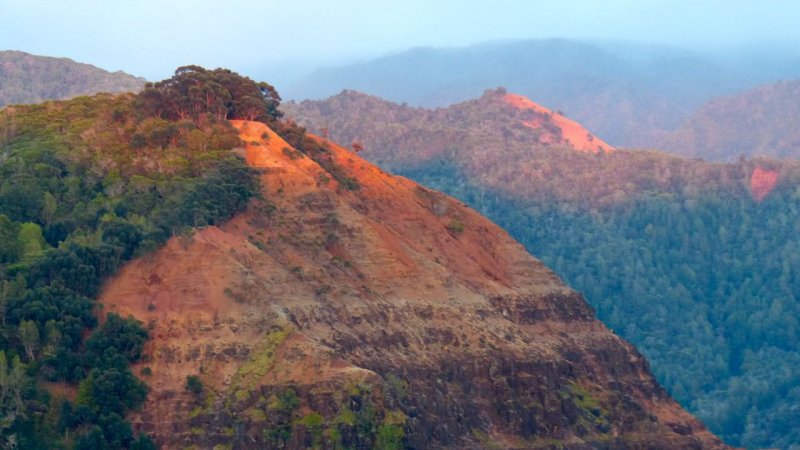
(26, 78)
(695, 263)
(702, 281)
(763, 121)
(88, 184)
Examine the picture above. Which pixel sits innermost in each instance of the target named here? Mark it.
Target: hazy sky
(150, 38)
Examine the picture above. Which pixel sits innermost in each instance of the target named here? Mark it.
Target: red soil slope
(572, 133)
(342, 295)
(762, 182)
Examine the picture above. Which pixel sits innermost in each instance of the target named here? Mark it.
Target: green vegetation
(313, 424)
(592, 416)
(86, 185)
(204, 95)
(194, 385)
(676, 257)
(390, 433)
(253, 370)
(362, 419)
(456, 227)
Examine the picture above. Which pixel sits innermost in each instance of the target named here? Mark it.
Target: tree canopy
(194, 92)
(86, 185)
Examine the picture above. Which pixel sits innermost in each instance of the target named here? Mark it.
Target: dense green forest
(86, 185)
(687, 266)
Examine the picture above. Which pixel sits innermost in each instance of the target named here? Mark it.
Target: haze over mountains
(762, 121)
(697, 104)
(182, 265)
(26, 78)
(630, 94)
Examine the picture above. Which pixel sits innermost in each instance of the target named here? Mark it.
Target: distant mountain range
(631, 95)
(694, 262)
(26, 78)
(762, 121)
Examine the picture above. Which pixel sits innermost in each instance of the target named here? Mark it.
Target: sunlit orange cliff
(569, 132)
(326, 312)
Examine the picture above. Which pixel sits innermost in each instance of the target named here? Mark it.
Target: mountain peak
(558, 128)
(345, 294)
(501, 138)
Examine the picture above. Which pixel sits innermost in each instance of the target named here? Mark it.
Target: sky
(283, 38)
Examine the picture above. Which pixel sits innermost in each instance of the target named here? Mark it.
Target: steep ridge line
(502, 141)
(391, 296)
(573, 133)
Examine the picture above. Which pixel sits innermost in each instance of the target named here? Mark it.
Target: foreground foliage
(86, 185)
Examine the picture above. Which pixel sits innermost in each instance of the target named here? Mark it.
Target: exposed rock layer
(371, 315)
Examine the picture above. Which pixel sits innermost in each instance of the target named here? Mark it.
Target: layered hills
(627, 93)
(183, 269)
(26, 78)
(762, 121)
(693, 262)
(486, 136)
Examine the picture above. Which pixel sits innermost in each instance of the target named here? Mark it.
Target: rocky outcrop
(377, 315)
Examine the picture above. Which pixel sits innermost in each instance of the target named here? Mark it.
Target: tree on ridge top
(194, 92)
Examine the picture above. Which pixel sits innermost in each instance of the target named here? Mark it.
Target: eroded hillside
(367, 311)
(694, 262)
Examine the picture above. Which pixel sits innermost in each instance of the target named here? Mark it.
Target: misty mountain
(762, 121)
(26, 78)
(630, 94)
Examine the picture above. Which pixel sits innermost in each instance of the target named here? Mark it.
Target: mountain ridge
(758, 122)
(27, 78)
(473, 131)
(357, 308)
(628, 94)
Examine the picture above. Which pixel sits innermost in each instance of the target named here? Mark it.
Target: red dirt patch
(762, 182)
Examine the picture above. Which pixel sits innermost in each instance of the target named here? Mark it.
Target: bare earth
(326, 290)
